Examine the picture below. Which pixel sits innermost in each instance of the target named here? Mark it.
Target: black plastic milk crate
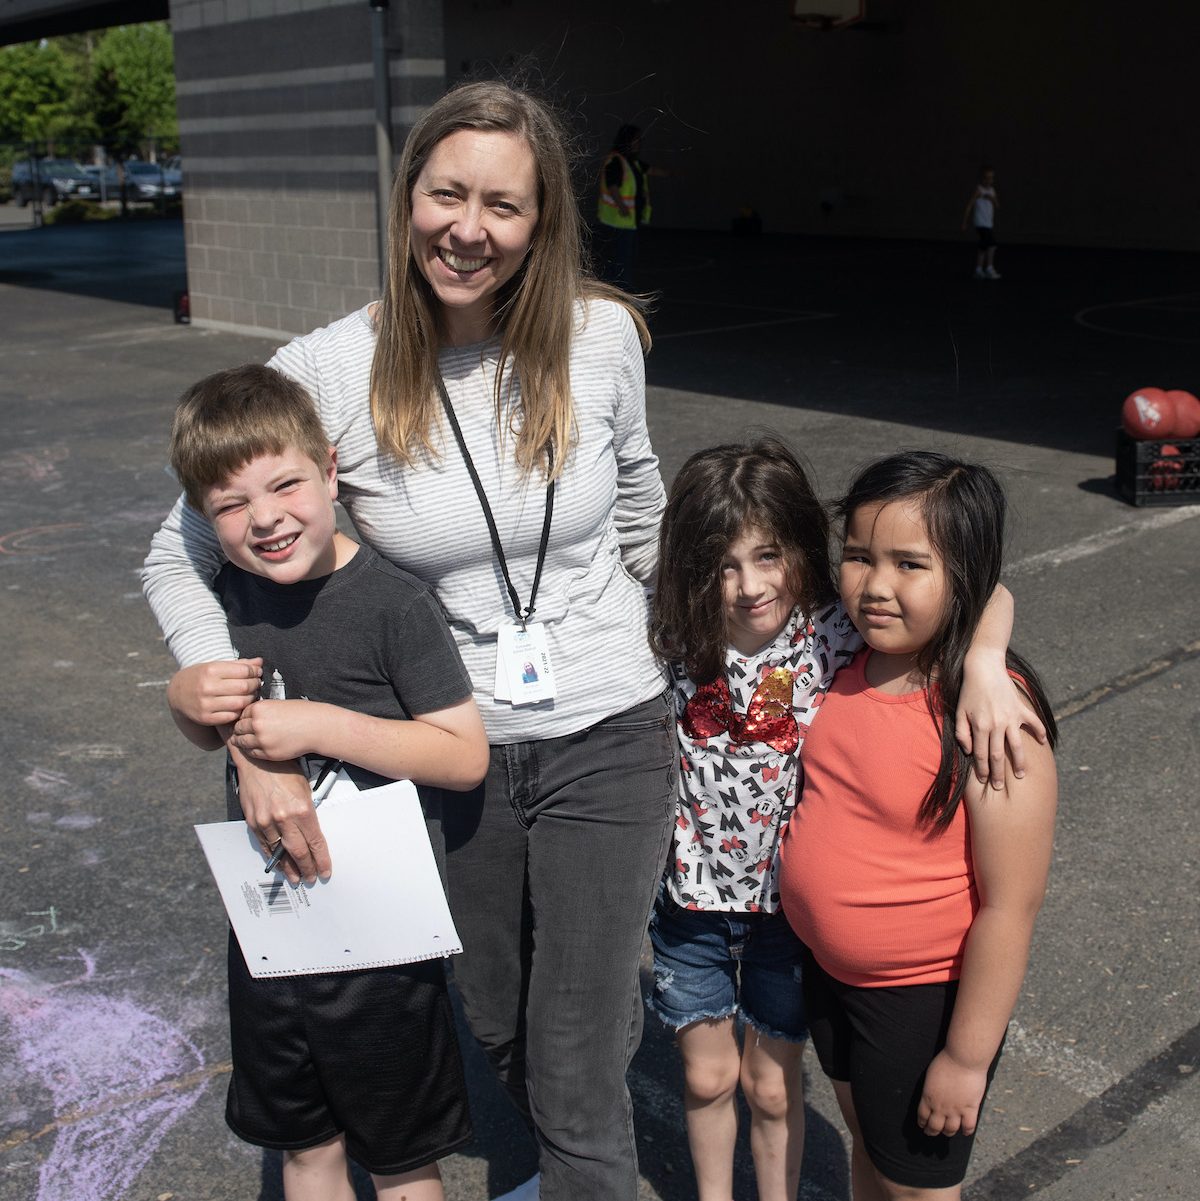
(1158, 473)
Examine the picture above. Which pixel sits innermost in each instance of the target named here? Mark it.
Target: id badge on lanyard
(524, 674)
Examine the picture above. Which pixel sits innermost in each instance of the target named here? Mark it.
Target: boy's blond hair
(234, 416)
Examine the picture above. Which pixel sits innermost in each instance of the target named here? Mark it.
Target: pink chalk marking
(36, 466)
(98, 1057)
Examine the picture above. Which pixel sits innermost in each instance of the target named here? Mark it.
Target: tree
(134, 86)
(37, 88)
(115, 87)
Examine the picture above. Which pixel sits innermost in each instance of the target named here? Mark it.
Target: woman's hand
(279, 730)
(214, 694)
(991, 713)
(277, 804)
(951, 1097)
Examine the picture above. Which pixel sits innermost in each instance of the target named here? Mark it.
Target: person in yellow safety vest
(623, 205)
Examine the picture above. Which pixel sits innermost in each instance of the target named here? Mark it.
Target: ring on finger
(274, 846)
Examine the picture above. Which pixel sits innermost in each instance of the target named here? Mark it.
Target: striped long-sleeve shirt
(428, 520)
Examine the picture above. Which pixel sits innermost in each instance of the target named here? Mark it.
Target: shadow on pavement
(133, 262)
(896, 331)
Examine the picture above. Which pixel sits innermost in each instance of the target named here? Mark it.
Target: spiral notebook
(383, 905)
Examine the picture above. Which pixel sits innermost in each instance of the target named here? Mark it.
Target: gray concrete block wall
(276, 117)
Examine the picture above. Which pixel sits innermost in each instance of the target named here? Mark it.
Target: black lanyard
(491, 521)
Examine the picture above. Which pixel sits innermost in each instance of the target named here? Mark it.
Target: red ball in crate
(1165, 472)
(1148, 413)
(1187, 414)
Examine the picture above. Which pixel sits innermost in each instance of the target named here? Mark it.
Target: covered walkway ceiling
(28, 20)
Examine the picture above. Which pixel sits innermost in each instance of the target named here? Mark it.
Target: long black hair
(718, 494)
(963, 507)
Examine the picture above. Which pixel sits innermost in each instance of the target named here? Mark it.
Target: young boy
(981, 212)
(360, 667)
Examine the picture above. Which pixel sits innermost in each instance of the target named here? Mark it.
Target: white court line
(1081, 317)
(1094, 544)
(724, 329)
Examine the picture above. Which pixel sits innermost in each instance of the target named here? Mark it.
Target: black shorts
(881, 1041)
(987, 238)
(369, 1054)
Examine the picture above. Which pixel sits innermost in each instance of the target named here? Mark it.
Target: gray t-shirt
(370, 637)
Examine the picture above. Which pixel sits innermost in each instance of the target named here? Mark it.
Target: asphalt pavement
(113, 1041)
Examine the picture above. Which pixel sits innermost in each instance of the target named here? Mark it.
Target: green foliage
(76, 212)
(70, 212)
(133, 78)
(116, 88)
(37, 85)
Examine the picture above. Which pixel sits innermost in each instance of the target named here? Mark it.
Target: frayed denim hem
(767, 1032)
(672, 1022)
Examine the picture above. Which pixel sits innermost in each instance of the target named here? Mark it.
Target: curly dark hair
(718, 494)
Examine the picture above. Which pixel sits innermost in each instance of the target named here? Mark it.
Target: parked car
(53, 179)
(149, 181)
(143, 180)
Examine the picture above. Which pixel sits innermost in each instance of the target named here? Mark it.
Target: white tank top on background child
(984, 214)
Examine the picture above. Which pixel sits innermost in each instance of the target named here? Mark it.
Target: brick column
(276, 123)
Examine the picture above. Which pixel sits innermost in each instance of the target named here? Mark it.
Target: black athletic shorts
(369, 1054)
(987, 238)
(881, 1041)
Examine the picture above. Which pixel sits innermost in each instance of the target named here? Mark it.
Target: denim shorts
(709, 964)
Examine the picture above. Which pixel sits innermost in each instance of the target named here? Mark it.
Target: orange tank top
(879, 899)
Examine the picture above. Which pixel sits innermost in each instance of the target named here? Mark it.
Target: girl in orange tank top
(913, 884)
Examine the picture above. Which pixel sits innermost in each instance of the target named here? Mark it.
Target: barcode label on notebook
(276, 898)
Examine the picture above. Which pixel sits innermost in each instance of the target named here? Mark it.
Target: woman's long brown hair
(535, 311)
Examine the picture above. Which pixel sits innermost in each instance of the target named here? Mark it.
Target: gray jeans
(553, 863)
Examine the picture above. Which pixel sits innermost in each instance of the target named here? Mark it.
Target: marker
(321, 788)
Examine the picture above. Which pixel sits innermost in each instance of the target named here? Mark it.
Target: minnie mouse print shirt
(739, 744)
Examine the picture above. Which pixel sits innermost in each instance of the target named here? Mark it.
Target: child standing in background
(913, 886)
(981, 212)
(745, 613)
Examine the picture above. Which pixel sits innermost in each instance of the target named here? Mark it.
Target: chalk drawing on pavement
(118, 1076)
(42, 539)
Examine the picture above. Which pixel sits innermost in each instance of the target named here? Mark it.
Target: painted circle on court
(41, 539)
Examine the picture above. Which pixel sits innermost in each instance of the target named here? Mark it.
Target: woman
(489, 325)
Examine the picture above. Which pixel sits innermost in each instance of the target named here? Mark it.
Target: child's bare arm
(1012, 834)
(447, 747)
(207, 738)
(991, 710)
(205, 700)
(970, 205)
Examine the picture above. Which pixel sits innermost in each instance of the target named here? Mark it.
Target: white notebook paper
(383, 905)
